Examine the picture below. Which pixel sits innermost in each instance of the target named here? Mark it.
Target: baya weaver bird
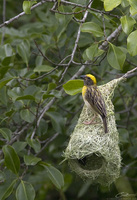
(93, 99)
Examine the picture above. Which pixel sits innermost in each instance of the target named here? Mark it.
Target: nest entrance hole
(91, 162)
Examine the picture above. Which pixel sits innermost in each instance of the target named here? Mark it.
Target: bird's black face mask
(87, 80)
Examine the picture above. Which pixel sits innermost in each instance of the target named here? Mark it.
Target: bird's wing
(95, 99)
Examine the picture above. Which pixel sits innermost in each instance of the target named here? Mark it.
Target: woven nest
(92, 153)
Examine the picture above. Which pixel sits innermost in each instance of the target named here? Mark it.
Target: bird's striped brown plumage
(93, 98)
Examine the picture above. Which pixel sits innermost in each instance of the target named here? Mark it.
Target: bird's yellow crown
(92, 78)
(84, 89)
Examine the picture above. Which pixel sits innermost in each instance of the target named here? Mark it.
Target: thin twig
(42, 114)
(18, 134)
(104, 27)
(103, 12)
(4, 19)
(44, 75)
(127, 110)
(131, 63)
(46, 58)
(76, 41)
(54, 6)
(40, 77)
(49, 140)
(67, 13)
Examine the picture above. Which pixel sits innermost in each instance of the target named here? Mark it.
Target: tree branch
(23, 13)
(49, 140)
(128, 74)
(54, 1)
(115, 33)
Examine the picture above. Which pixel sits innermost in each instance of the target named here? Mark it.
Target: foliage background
(40, 51)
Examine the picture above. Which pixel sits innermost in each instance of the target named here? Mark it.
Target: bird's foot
(90, 122)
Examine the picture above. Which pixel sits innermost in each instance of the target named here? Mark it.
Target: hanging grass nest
(92, 153)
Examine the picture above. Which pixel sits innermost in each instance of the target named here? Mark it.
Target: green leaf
(27, 6)
(43, 68)
(39, 59)
(45, 96)
(131, 43)
(25, 191)
(93, 28)
(23, 50)
(133, 151)
(14, 93)
(110, 5)
(6, 189)
(4, 81)
(62, 21)
(7, 58)
(56, 93)
(27, 116)
(3, 95)
(133, 9)
(7, 61)
(9, 113)
(51, 86)
(32, 90)
(8, 50)
(35, 144)
(2, 177)
(55, 176)
(42, 128)
(84, 189)
(127, 23)
(93, 51)
(35, 92)
(58, 2)
(19, 146)
(26, 97)
(123, 135)
(11, 159)
(78, 15)
(57, 121)
(124, 3)
(31, 160)
(6, 133)
(116, 56)
(3, 70)
(73, 87)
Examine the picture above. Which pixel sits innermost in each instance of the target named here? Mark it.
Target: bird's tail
(105, 124)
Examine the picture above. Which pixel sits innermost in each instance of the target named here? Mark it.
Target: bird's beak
(82, 76)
